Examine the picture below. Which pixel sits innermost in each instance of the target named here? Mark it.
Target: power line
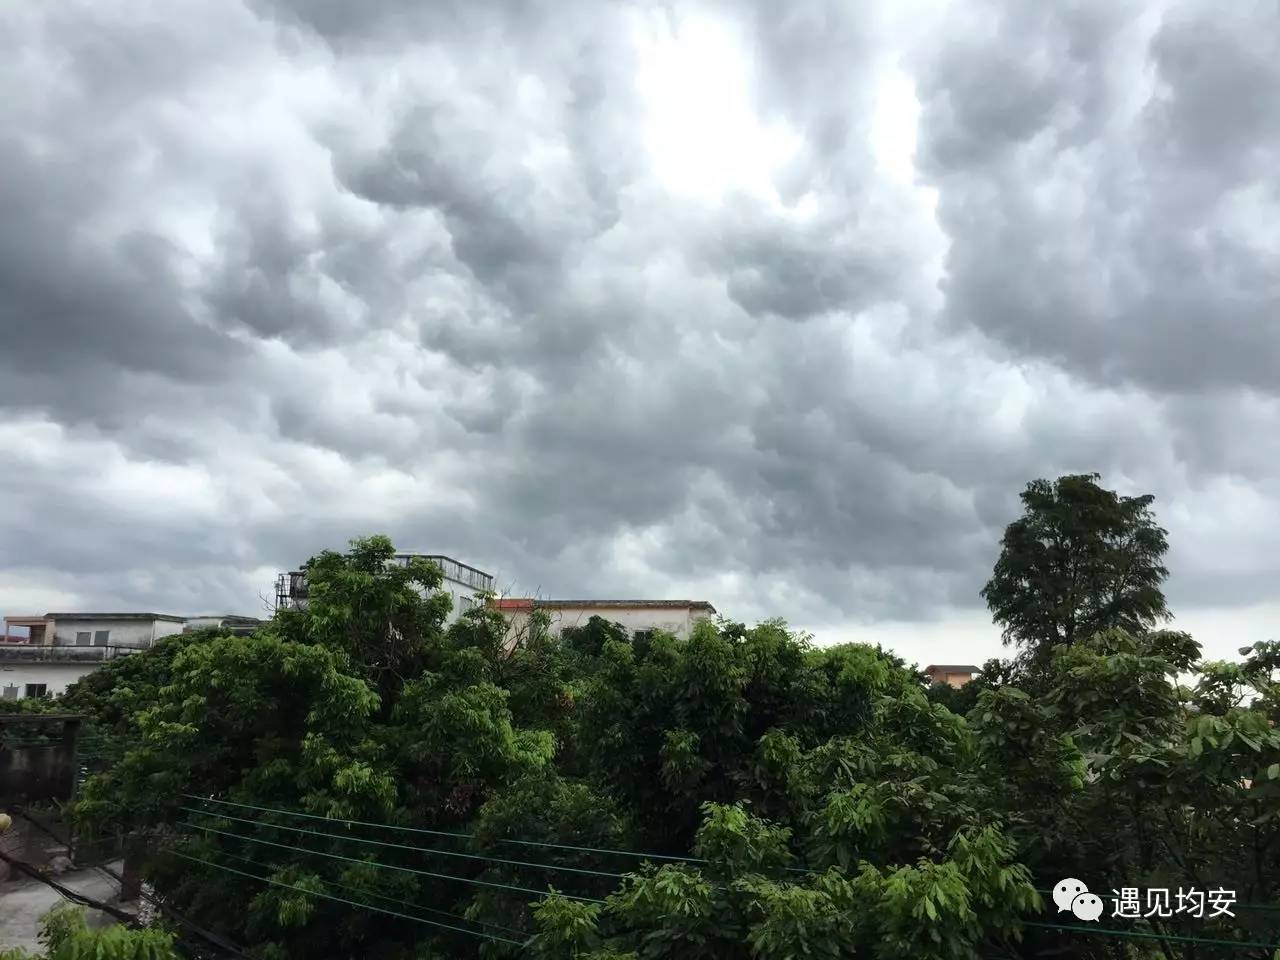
(447, 833)
(363, 906)
(383, 896)
(218, 941)
(388, 866)
(1145, 935)
(404, 846)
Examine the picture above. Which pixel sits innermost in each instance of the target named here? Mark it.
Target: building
(228, 622)
(42, 656)
(636, 616)
(952, 674)
(58, 649)
(465, 584)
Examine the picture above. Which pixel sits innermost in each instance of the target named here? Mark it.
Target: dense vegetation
(794, 801)
(65, 935)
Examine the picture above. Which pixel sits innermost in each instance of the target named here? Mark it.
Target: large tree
(1080, 559)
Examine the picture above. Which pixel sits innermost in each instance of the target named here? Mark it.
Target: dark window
(82, 638)
(37, 690)
(100, 637)
(644, 634)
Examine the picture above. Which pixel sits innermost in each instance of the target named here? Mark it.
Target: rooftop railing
(291, 587)
(63, 653)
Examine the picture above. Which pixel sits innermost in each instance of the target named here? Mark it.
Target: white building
(635, 616)
(42, 656)
(464, 584)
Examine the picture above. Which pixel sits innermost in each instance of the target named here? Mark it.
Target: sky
(777, 305)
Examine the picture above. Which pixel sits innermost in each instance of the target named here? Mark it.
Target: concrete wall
(124, 632)
(57, 676)
(34, 774)
(462, 594)
(200, 623)
(675, 620)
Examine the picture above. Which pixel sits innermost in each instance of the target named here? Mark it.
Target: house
(465, 584)
(636, 616)
(42, 656)
(952, 674)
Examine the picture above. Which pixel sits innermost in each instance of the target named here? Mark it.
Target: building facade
(466, 585)
(952, 674)
(635, 616)
(42, 656)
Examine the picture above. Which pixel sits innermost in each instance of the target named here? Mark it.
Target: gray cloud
(1104, 179)
(278, 274)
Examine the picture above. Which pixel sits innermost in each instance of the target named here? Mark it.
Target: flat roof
(115, 616)
(953, 668)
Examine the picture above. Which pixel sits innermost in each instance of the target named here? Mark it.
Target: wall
(33, 774)
(123, 632)
(459, 592)
(197, 623)
(675, 620)
(57, 676)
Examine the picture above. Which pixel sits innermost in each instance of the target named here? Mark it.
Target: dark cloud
(1104, 177)
(278, 274)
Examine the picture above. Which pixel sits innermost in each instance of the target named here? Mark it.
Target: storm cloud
(777, 305)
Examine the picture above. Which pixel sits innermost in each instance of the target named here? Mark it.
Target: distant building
(60, 648)
(952, 674)
(41, 656)
(636, 616)
(465, 584)
(228, 622)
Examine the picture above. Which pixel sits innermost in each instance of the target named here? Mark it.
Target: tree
(1079, 560)
(358, 780)
(66, 936)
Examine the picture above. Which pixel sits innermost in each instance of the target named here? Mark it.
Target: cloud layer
(775, 304)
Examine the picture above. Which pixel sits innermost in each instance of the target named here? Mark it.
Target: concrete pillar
(135, 855)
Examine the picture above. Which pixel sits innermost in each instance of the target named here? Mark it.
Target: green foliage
(793, 801)
(1081, 559)
(65, 935)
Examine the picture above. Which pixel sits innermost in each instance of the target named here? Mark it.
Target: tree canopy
(358, 779)
(1080, 559)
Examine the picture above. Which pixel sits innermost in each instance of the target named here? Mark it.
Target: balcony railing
(459, 572)
(291, 588)
(63, 653)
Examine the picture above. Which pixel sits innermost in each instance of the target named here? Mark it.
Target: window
(644, 635)
(11, 691)
(82, 638)
(37, 690)
(100, 637)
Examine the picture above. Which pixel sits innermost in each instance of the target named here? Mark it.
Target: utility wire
(382, 896)
(218, 941)
(471, 836)
(388, 866)
(363, 906)
(1145, 935)
(446, 833)
(404, 846)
